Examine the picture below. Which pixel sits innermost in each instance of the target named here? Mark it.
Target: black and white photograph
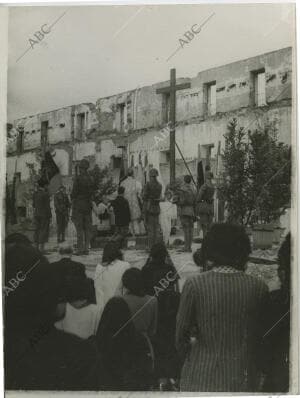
(149, 223)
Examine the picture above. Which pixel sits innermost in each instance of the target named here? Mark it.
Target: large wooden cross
(172, 91)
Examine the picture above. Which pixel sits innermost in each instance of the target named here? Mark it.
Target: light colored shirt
(108, 281)
(82, 322)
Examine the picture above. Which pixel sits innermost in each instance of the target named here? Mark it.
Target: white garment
(165, 219)
(83, 322)
(108, 281)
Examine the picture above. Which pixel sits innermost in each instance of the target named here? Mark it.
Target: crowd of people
(131, 329)
(134, 211)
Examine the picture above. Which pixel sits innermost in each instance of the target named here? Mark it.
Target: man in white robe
(133, 193)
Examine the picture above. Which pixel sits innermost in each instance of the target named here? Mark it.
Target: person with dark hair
(143, 307)
(205, 203)
(122, 216)
(277, 339)
(42, 215)
(151, 197)
(226, 306)
(81, 195)
(186, 203)
(108, 275)
(37, 355)
(78, 301)
(124, 351)
(16, 238)
(159, 266)
(62, 207)
(161, 280)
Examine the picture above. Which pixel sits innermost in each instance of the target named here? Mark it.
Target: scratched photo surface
(149, 165)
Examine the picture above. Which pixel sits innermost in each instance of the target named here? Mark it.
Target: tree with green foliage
(234, 188)
(103, 180)
(257, 174)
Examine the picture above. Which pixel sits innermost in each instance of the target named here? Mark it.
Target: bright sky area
(97, 51)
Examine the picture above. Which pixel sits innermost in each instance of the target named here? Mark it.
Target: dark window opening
(210, 98)
(44, 133)
(80, 125)
(258, 87)
(121, 109)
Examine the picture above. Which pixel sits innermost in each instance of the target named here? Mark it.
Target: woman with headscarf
(161, 280)
(37, 355)
(124, 351)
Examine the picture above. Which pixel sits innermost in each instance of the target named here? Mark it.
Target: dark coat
(155, 279)
(41, 203)
(151, 196)
(61, 203)
(187, 198)
(277, 343)
(82, 193)
(121, 210)
(50, 359)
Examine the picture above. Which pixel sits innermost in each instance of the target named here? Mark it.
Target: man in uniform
(187, 199)
(152, 196)
(62, 206)
(42, 215)
(81, 195)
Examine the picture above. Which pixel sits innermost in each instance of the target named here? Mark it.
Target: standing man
(186, 203)
(42, 215)
(205, 203)
(152, 196)
(122, 215)
(82, 207)
(62, 207)
(133, 192)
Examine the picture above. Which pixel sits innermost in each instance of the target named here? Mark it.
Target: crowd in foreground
(131, 329)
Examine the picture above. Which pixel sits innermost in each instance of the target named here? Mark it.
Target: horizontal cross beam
(176, 87)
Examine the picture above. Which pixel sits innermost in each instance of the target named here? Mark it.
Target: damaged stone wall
(137, 115)
(234, 85)
(234, 90)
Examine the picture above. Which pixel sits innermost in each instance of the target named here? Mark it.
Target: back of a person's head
(158, 252)
(30, 289)
(198, 258)
(116, 327)
(226, 244)
(65, 249)
(75, 281)
(133, 281)
(111, 252)
(187, 179)
(17, 238)
(130, 172)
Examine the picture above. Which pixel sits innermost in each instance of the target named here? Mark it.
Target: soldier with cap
(152, 196)
(81, 195)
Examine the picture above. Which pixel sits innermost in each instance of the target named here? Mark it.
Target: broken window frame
(210, 108)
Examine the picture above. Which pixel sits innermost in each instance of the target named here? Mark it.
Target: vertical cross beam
(172, 91)
(172, 125)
